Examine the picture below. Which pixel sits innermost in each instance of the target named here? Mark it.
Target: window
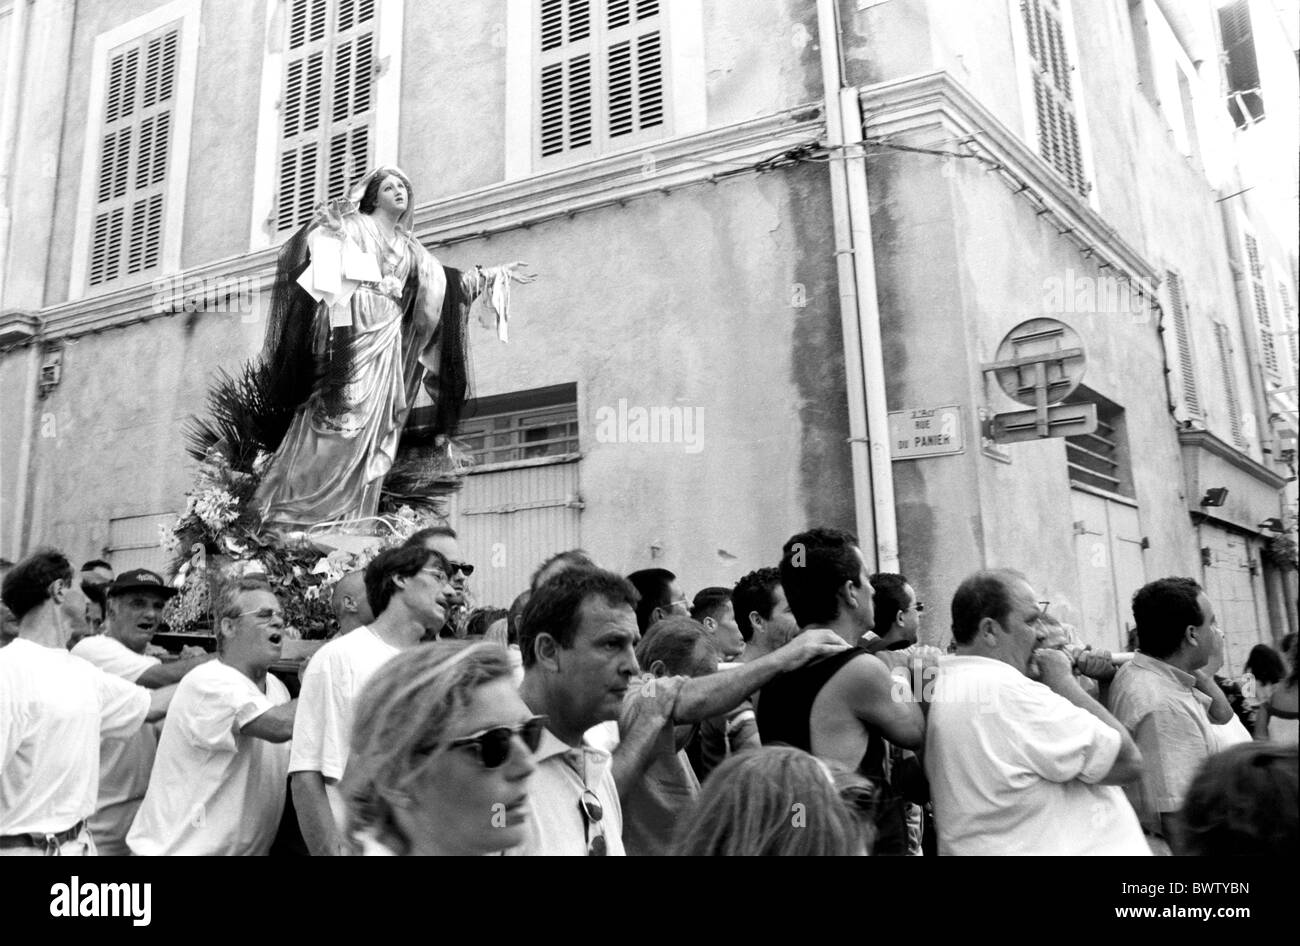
(1259, 295)
(1245, 103)
(134, 149)
(133, 543)
(508, 428)
(1183, 342)
(1053, 95)
(600, 77)
(1100, 459)
(326, 104)
(1230, 386)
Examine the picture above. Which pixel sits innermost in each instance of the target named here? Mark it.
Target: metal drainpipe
(873, 476)
(9, 129)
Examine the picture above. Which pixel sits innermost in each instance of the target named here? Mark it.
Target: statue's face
(392, 197)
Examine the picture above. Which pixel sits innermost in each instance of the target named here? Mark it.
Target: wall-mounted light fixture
(1215, 496)
(1273, 524)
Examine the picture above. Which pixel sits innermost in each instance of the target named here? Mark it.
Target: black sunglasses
(592, 812)
(492, 746)
(463, 567)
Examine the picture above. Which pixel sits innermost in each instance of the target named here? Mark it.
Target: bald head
(349, 601)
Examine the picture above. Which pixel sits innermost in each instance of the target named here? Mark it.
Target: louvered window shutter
(327, 104)
(1289, 323)
(1263, 319)
(601, 75)
(566, 94)
(1183, 340)
(1230, 386)
(134, 149)
(1245, 103)
(1058, 127)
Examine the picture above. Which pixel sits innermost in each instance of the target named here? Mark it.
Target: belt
(50, 842)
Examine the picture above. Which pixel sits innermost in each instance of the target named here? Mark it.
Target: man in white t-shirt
(406, 587)
(1018, 765)
(135, 601)
(218, 783)
(54, 710)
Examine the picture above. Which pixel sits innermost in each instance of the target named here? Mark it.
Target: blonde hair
(775, 801)
(403, 710)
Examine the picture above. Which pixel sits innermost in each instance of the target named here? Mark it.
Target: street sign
(1048, 343)
(1063, 420)
(925, 432)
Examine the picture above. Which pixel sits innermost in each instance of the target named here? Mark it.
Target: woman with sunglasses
(441, 754)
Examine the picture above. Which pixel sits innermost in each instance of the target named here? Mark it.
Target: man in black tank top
(842, 707)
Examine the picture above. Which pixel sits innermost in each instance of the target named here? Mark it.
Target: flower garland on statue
(219, 536)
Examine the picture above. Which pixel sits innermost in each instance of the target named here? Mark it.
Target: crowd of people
(795, 713)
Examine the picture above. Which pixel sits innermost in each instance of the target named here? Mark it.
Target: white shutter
(327, 106)
(1230, 386)
(1259, 294)
(1058, 127)
(1183, 341)
(1289, 325)
(601, 77)
(134, 150)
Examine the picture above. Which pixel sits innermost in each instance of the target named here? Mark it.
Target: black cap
(139, 579)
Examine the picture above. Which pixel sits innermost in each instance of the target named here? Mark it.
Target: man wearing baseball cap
(135, 601)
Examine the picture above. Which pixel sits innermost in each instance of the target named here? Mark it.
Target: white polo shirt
(555, 825)
(54, 709)
(1013, 768)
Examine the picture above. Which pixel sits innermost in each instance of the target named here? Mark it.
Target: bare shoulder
(863, 677)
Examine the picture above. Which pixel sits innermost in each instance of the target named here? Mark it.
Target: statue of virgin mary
(362, 315)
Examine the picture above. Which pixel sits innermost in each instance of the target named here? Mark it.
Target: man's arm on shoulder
(159, 700)
(647, 712)
(702, 697)
(274, 725)
(876, 698)
(161, 675)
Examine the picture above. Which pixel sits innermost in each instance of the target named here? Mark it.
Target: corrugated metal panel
(510, 521)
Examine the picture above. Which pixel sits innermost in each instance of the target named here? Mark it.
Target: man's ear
(849, 595)
(547, 651)
(990, 627)
(659, 668)
(710, 624)
(57, 590)
(756, 621)
(350, 604)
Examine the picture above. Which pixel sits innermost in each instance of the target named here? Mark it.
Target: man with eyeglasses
(407, 588)
(135, 601)
(897, 627)
(218, 784)
(1019, 759)
(1168, 701)
(457, 598)
(898, 613)
(661, 596)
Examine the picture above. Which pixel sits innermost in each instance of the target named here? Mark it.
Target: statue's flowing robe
(372, 341)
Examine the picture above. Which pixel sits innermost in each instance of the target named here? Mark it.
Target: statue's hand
(329, 215)
(516, 273)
